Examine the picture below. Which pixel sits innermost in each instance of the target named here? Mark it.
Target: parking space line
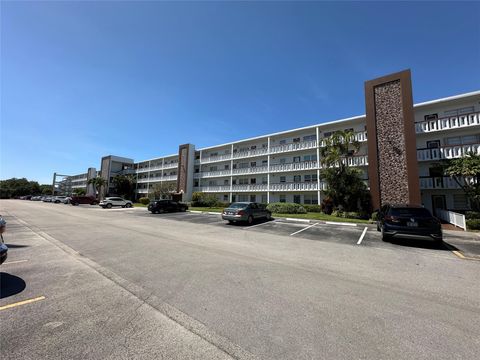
(14, 262)
(340, 223)
(305, 228)
(362, 236)
(252, 226)
(24, 302)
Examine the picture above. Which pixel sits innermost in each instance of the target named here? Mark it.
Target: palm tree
(340, 145)
(98, 182)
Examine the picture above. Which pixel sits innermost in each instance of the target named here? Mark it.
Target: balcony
(447, 123)
(444, 182)
(360, 136)
(447, 152)
(305, 165)
(157, 179)
(299, 186)
(250, 153)
(250, 187)
(213, 188)
(301, 145)
(207, 174)
(216, 158)
(251, 170)
(170, 165)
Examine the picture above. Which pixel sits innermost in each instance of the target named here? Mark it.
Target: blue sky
(80, 80)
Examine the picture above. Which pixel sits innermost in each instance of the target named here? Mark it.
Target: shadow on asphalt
(10, 285)
(245, 224)
(423, 244)
(13, 246)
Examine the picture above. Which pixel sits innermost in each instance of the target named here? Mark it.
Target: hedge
(469, 215)
(286, 208)
(473, 224)
(313, 208)
(144, 200)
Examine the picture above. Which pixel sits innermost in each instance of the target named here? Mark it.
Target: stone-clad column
(392, 155)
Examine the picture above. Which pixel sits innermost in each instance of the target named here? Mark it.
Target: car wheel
(109, 206)
(160, 211)
(128, 205)
(230, 221)
(250, 220)
(378, 227)
(269, 216)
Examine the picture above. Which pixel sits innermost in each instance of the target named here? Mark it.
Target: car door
(118, 202)
(254, 210)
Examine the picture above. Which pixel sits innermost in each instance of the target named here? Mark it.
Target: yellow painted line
(14, 262)
(24, 302)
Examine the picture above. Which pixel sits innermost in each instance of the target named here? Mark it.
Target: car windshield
(238, 205)
(413, 212)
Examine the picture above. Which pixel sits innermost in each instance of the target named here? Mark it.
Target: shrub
(286, 208)
(222, 204)
(313, 208)
(469, 215)
(337, 213)
(144, 200)
(374, 216)
(473, 224)
(203, 199)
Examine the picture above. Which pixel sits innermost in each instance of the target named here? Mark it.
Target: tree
(18, 187)
(162, 190)
(79, 191)
(98, 183)
(344, 184)
(46, 189)
(125, 185)
(466, 173)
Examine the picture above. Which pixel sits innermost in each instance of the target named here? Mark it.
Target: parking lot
(85, 282)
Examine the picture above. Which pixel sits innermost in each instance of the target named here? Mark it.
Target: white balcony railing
(207, 174)
(250, 187)
(216, 158)
(302, 145)
(300, 186)
(250, 153)
(447, 152)
(441, 182)
(447, 123)
(251, 170)
(306, 165)
(170, 165)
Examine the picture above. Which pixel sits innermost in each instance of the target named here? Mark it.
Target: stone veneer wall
(182, 168)
(391, 144)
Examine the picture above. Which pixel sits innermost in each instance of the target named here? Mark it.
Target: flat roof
(328, 123)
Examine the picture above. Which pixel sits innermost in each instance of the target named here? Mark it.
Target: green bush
(473, 224)
(204, 200)
(374, 216)
(313, 208)
(337, 213)
(327, 205)
(222, 204)
(144, 200)
(286, 208)
(469, 215)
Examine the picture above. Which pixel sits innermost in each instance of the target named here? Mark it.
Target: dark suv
(160, 206)
(83, 200)
(408, 221)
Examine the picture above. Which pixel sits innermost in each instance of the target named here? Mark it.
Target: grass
(310, 216)
(139, 205)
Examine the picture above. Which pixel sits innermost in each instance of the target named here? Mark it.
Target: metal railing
(452, 122)
(447, 152)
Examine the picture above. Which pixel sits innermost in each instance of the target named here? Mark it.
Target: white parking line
(305, 228)
(14, 262)
(362, 236)
(340, 223)
(250, 227)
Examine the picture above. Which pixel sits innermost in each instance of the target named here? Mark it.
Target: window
(310, 199)
(327, 134)
(264, 145)
(314, 178)
(195, 183)
(213, 168)
(243, 181)
(296, 159)
(253, 181)
(234, 182)
(253, 147)
(282, 179)
(310, 157)
(212, 154)
(225, 198)
(265, 162)
(227, 167)
(253, 164)
(282, 161)
(296, 199)
(295, 140)
(309, 137)
(460, 111)
(264, 198)
(297, 178)
(243, 197)
(282, 198)
(460, 140)
(234, 198)
(243, 165)
(430, 117)
(264, 180)
(307, 178)
(253, 198)
(460, 202)
(225, 182)
(283, 142)
(434, 144)
(212, 183)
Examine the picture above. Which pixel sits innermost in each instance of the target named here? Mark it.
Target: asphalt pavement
(84, 282)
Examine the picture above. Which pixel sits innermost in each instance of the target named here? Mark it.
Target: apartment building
(285, 166)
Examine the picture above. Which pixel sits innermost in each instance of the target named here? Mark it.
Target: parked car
(3, 247)
(67, 200)
(90, 200)
(160, 206)
(408, 221)
(246, 211)
(115, 201)
(47, 199)
(58, 199)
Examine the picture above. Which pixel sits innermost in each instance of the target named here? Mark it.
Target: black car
(161, 206)
(3, 247)
(408, 221)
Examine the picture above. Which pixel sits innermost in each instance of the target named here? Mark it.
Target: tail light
(393, 219)
(241, 212)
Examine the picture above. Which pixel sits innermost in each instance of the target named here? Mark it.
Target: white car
(58, 199)
(115, 201)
